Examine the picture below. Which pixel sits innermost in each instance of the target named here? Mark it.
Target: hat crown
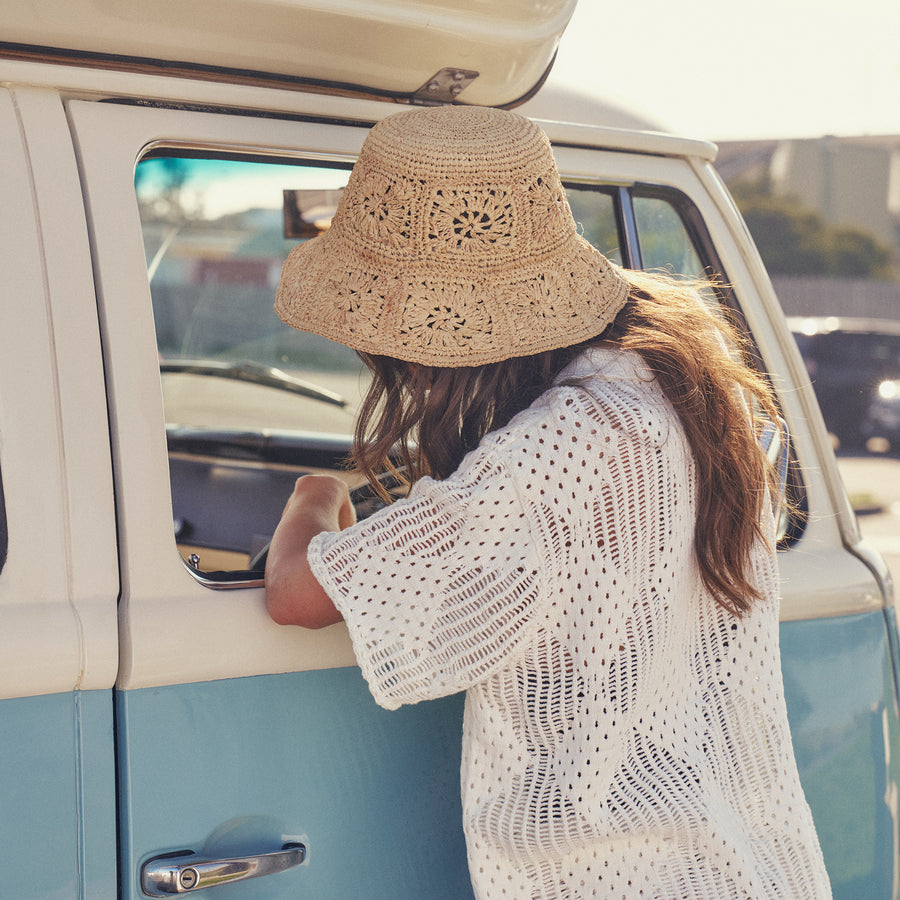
(456, 186)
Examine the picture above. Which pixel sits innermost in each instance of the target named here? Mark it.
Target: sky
(721, 70)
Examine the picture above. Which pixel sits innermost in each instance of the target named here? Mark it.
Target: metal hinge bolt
(444, 86)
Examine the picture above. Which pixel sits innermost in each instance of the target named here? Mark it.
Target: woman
(587, 548)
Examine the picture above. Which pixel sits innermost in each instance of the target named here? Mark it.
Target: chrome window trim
(244, 578)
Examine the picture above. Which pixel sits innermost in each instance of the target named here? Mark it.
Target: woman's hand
(293, 595)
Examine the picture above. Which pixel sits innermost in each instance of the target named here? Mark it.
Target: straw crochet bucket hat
(453, 245)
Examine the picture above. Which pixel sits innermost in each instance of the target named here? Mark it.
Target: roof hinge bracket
(444, 86)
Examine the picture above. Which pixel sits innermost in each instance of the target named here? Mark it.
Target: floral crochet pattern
(380, 210)
(551, 200)
(478, 223)
(456, 321)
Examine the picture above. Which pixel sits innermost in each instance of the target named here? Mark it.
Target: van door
(240, 739)
(237, 738)
(58, 569)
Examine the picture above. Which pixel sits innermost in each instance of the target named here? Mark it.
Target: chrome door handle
(184, 872)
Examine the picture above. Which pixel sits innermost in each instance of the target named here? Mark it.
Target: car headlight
(889, 389)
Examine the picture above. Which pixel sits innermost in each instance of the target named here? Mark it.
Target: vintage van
(159, 734)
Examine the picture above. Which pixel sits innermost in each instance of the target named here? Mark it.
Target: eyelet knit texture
(624, 736)
(453, 244)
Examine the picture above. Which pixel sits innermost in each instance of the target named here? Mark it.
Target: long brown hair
(424, 419)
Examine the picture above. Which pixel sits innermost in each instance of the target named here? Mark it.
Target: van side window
(665, 243)
(656, 228)
(250, 404)
(594, 210)
(644, 227)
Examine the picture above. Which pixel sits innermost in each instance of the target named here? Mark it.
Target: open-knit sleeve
(440, 589)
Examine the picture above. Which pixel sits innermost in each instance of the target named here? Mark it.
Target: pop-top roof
(488, 52)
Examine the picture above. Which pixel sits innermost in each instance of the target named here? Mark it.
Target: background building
(853, 185)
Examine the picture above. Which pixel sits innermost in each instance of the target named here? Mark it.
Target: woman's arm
(293, 595)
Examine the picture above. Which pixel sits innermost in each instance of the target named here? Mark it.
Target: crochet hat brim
(443, 318)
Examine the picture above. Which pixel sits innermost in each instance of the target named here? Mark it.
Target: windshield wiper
(253, 373)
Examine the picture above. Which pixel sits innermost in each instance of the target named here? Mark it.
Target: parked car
(881, 423)
(159, 734)
(848, 360)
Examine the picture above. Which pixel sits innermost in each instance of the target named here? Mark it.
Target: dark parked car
(851, 362)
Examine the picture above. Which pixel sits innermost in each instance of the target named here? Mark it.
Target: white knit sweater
(624, 736)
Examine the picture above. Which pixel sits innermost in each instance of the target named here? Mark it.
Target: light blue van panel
(842, 704)
(57, 831)
(242, 765)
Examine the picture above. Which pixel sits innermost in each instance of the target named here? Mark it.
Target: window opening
(595, 212)
(670, 236)
(664, 240)
(250, 404)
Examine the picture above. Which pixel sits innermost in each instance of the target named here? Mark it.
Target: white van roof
(494, 53)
